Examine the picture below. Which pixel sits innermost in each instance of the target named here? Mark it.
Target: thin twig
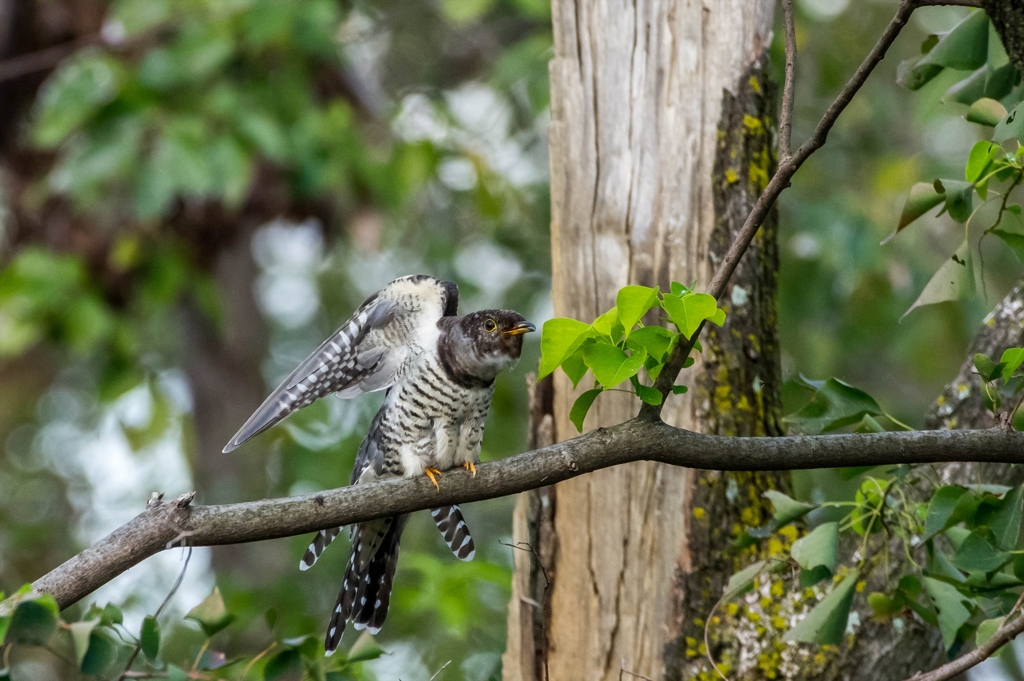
(949, 3)
(779, 182)
(623, 670)
(177, 583)
(786, 117)
(440, 670)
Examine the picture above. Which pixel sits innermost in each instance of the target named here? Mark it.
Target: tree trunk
(660, 142)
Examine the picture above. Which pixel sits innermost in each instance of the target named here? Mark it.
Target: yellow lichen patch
(731, 176)
(790, 533)
(860, 586)
(755, 85)
(699, 513)
(753, 125)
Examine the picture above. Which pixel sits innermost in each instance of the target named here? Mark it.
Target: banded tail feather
(455, 531)
(366, 590)
(320, 542)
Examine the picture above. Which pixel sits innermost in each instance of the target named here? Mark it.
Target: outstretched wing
(392, 327)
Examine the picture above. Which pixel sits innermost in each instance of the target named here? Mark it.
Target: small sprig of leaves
(963, 567)
(618, 347)
(1003, 382)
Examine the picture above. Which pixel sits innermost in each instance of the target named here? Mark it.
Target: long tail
(366, 591)
(453, 528)
(448, 519)
(320, 542)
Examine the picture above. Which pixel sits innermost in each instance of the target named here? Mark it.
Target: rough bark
(1008, 18)
(637, 98)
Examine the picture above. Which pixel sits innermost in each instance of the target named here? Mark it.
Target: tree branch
(1006, 633)
(779, 182)
(165, 524)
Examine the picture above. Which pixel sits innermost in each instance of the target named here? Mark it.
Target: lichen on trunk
(738, 391)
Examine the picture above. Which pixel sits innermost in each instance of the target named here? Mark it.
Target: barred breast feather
(367, 353)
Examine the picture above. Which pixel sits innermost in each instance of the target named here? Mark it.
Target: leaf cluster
(101, 647)
(618, 347)
(1002, 382)
(995, 98)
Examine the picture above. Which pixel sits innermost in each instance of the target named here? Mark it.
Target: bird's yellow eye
(489, 325)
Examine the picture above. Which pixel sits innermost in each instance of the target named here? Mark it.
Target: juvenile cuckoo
(438, 370)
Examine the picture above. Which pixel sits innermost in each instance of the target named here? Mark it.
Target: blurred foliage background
(196, 192)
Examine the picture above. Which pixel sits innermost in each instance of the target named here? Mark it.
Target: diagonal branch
(1006, 633)
(779, 182)
(156, 528)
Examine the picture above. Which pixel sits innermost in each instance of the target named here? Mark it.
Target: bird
(438, 370)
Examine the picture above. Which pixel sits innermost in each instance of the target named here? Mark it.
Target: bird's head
(489, 341)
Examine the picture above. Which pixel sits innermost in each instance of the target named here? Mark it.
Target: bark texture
(1008, 18)
(638, 96)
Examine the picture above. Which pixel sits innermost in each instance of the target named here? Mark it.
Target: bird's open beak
(519, 329)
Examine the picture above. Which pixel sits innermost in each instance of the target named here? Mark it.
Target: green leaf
(559, 339)
(649, 394)
(581, 406)
(102, 653)
(949, 505)
(609, 325)
(679, 389)
(365, 648)
(633, 302)
(574, 367)
(959, 199)
(951, 606)
(983, 153)
(953, 281)
(285, 666)
(689, 311)
(1014, 241)
(818, 548)
(111, 615)
(1006, 521)
(883, 606)
(655, 340)
(744, 577)
(826, 622)
(787, 509)
(977, 553)
(81, 632)
(986, 367)
(612, 366)
(988, 629)
(986, 111)
(32, 624)
(834, 405)
(1011, 127)
(965, 46)
(1011, 360)
(211, 614)
(150, 637)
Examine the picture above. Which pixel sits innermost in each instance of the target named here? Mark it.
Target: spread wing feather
(364, 355)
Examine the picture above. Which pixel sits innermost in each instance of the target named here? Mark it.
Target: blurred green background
(204, 189)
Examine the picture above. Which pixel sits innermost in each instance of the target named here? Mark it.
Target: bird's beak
(519, 329)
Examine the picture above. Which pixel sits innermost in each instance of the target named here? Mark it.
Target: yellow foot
(471, 467)
(431, 472)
